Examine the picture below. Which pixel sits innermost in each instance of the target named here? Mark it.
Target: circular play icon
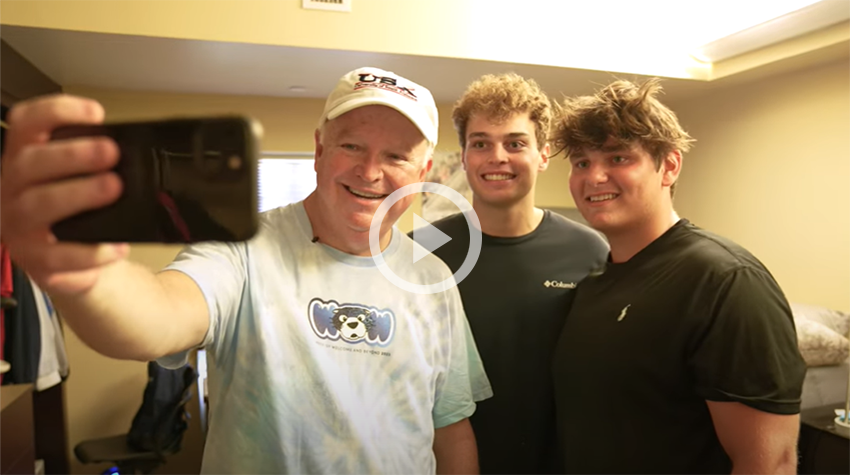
(432, 237)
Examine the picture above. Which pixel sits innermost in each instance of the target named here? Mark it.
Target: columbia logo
(559, 285)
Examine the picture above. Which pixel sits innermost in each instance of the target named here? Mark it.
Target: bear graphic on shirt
(351, 322)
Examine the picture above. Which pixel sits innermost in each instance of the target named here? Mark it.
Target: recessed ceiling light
(297, 89)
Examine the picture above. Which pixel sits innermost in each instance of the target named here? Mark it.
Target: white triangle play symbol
(427, 236)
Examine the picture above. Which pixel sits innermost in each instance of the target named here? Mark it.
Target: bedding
(839, 322)
(819, 345)
(822, 335)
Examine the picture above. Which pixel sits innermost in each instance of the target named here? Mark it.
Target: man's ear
(671, 167)
(427, 168)
(544, 158)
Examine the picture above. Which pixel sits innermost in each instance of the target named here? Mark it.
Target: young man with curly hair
(517, 295)
(681, 355)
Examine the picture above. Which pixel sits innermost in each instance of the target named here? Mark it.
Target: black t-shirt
(516, 299)
(692, 317)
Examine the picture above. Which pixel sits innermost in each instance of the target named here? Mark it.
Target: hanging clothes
(35, 342)
(6, 291)
(52, 359)
(23, 333)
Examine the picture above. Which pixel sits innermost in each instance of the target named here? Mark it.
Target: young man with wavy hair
(681, 355)
(517, 295)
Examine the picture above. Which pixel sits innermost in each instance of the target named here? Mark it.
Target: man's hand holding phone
(43, 182)
(71, 183)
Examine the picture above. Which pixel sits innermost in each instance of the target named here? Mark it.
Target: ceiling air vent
(333, 5)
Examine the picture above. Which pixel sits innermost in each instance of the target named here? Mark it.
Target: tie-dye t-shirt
(318, 363)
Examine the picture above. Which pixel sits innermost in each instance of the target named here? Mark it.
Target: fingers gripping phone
(184, 181)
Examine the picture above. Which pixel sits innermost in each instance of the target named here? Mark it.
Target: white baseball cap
(373, 86)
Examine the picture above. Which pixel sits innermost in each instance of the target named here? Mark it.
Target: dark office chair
(157, 430)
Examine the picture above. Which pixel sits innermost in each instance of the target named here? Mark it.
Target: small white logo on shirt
(623, 313)
(559, 285)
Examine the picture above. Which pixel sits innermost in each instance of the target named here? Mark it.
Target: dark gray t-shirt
(516, 299)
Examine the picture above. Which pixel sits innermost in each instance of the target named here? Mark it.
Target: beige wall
(771, 170)
(389, 26)
(553, 187)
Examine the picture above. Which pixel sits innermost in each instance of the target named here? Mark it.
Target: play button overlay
(433, 237)
(429, 238)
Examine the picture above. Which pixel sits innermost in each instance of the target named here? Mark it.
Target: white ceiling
(127, 62)
(111, 61)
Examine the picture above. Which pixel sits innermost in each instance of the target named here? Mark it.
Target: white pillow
(819, 345)
(836, 321)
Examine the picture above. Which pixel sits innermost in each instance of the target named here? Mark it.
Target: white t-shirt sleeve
(220, 270)
(464, 382)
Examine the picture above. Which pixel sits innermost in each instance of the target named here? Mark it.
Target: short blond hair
(500, 96)
(625, 112)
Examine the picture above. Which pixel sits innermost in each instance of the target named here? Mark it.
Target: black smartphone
(185, 180)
